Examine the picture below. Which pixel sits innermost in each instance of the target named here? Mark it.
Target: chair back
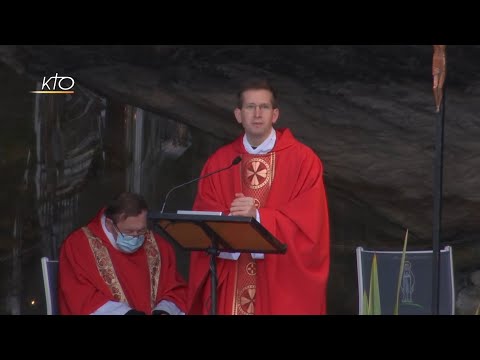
(50, 275)
(415, 296)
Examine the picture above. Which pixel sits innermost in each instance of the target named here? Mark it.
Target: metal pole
(439, 72)
(213, 276)
(437, 207)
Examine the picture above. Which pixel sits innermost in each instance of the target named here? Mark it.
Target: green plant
(400, 273)
(371, 302)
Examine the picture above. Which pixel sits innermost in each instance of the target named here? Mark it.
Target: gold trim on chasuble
(257, 175)
(107, 271)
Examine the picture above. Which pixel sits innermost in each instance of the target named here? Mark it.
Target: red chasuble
(93, 272)
(295, 212)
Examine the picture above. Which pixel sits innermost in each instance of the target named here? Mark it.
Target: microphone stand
(234, 162)
(174, 188)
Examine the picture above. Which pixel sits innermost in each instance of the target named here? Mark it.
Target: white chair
(50, 271)
(416, 285)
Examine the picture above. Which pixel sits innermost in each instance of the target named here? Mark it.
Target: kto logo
(56, 85)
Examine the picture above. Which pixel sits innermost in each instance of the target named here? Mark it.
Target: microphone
(234, 162)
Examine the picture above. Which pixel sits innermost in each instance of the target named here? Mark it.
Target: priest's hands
(243, 206)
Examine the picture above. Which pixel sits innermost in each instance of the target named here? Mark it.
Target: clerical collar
(264, 147)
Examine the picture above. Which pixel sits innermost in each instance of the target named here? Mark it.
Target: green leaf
(402, 264)
(365, 303)
(374, 306)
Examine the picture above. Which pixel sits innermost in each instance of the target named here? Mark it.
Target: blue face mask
(129, 243)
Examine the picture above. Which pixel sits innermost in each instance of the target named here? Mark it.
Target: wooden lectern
(215, 234)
